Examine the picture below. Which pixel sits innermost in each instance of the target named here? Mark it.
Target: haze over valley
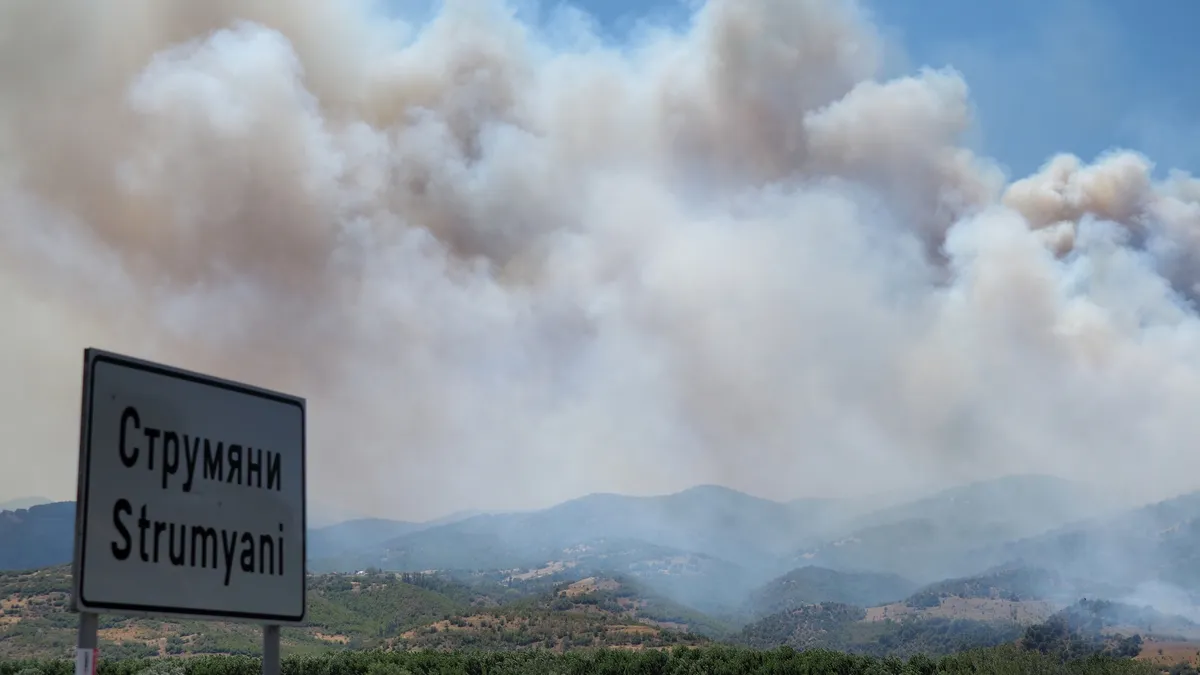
(933, 574)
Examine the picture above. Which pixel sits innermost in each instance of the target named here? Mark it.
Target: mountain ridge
(709, 546)
(23, 503)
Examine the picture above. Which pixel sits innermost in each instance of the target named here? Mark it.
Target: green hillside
(370, 610)
(409, 614)
(813, 585)
(1014, 583)
(515, 582)
(843, 627)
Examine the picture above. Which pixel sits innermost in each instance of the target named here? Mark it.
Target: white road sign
(191, 495)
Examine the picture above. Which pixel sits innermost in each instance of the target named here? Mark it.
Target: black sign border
(92, 357)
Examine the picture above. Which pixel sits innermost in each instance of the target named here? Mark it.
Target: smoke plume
(509, 265)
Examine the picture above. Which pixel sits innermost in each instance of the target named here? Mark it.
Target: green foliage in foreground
(718, 660)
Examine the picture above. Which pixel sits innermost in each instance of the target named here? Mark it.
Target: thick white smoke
(507, 271)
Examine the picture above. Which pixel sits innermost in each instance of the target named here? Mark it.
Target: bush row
(716, 660)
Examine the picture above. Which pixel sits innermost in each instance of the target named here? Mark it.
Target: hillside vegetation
(372, 610)
(703, 567)
(404, 612)
(707, 546)
(811, 585)
(714, 660)
(845, 628)
(710, 547)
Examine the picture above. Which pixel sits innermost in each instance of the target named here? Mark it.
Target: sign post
(191, 500)
(85, 651)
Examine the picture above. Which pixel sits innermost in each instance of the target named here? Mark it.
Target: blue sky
(1049, 75)
(1079, 76)
(1073, 75)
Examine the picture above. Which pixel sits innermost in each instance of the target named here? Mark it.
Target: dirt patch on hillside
(466, 623)
(668, 625)
(1167, 653)
(550, 568)
(978, 609)
(590, 585)
(12, 602)
(120, 634)
(634, 629)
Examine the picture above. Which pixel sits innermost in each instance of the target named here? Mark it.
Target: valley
(403, 612)
(702, 567)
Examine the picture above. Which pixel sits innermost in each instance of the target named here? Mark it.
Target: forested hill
(406, 612)
(705, 566)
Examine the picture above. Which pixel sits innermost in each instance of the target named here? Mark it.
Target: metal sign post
(85, 651)
(270, 660)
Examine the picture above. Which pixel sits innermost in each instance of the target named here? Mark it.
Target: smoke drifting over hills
(508, 267)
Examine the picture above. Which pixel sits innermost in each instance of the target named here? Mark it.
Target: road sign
(191, 495)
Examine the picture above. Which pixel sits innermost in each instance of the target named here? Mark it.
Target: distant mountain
(1014, 583)
(44, 535)
(24, 503)
(707, 545)
(322, 515)
(704, 581)
(814, 585)
(39, 536)
(455, 517)
(710, 520)
(710, 546)
(746, 533)
(943, 535)
(353, 535)
(1021, 505)
(926, 539)
(1158, 543)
